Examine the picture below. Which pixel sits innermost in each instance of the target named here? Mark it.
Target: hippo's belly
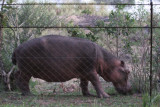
(53, 69)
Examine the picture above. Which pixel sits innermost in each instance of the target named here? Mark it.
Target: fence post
(151, 40)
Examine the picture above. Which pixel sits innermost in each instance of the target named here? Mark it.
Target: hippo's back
(53, 56)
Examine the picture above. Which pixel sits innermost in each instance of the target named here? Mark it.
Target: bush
(153, 102)
(78, 32)
(86, 11)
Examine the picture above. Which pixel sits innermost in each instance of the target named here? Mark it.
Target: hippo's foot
(97, 85)
(104, 95)
(89, 95)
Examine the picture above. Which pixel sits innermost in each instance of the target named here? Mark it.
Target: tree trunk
(1, 64)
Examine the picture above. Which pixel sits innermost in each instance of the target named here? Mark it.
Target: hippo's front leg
(97, 85)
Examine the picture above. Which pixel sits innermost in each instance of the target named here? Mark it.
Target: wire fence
(59, 58)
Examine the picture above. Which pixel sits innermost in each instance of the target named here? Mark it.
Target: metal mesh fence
(86, 43)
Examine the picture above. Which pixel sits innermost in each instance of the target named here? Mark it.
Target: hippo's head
(118, 75)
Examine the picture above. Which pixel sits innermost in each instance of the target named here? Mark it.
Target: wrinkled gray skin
(56, 58)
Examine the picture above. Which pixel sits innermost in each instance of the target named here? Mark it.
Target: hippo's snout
(125, 91)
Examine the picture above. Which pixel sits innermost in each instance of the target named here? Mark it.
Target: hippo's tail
(14, 61)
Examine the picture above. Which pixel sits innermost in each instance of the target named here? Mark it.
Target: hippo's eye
(124, 74)
(121, 70)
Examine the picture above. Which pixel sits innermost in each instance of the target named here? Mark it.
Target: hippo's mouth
(124, 92)
(120, 91)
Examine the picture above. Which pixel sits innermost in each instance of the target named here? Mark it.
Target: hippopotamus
(56, 58)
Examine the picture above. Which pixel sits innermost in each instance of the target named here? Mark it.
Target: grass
(44, 97)
(68, 99)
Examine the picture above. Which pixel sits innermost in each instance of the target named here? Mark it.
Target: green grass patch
(68, 99)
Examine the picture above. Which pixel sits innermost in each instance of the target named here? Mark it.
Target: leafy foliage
(3, 23)
(86, 11)
(77, 32)
(153, 102)
(36, 16)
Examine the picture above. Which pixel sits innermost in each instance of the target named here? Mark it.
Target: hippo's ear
(122, 63)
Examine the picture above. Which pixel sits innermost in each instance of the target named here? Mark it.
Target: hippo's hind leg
(22, 81)
(93, 77)
(84, 87)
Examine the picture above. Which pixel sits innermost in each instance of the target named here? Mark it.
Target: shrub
(86, 11)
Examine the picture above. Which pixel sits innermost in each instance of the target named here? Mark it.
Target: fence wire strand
(72, 4)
